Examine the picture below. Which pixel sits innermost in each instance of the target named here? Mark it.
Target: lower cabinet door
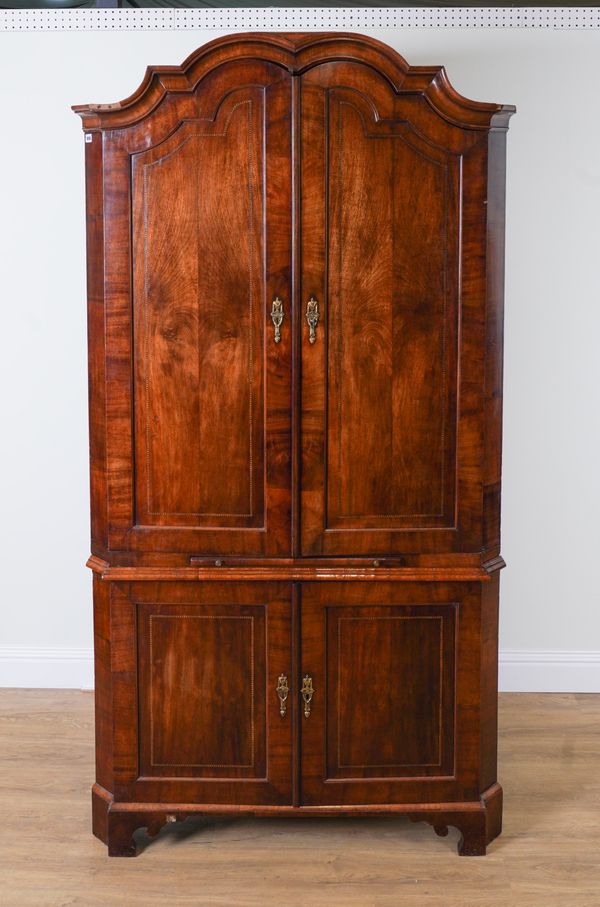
(394, 674)
(198, 711)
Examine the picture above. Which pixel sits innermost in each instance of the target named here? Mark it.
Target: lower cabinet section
(295, 697)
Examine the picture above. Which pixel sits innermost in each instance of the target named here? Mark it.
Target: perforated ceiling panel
(346, 18)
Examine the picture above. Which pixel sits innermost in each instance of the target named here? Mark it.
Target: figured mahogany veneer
(295, 521)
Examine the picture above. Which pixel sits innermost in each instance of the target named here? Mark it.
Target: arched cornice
(296, 53)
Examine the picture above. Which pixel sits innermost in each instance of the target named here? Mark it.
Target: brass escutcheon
(312, 318)
(282, 691)
(307, 693)
(277, 317)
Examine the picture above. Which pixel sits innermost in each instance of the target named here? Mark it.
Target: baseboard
(521, 671)
(48, 667)
(549, 671)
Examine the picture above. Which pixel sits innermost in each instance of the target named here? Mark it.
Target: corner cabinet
(295, 291)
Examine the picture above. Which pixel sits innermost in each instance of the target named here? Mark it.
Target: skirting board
(50, 668)
(549, 671)
(521, 671)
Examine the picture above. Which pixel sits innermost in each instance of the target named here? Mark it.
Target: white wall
(550, 629)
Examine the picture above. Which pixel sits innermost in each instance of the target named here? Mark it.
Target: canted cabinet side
(494, 332)
(295, 303)
(94, 177)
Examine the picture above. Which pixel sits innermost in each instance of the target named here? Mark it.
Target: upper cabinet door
(201, 460)
(392, 202)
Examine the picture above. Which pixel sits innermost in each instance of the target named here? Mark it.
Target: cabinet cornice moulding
(297, 53)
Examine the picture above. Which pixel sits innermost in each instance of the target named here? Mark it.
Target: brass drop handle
(282, 691)
(277, 317)
(312, 318)
(307, 693)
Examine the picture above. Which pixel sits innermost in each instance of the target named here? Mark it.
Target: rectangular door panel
(208, 659)
(202, 688)
(391, 678)
(199, 351)
(381, 248)
(208, 470)
(385, 723)
(392, 333)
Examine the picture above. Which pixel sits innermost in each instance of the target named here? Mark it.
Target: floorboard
(548, 855)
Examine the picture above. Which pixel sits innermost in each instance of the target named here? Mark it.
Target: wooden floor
(549, 853)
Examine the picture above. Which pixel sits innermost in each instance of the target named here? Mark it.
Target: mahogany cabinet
(295, 294)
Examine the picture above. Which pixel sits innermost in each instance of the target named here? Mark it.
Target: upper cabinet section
(295, 250)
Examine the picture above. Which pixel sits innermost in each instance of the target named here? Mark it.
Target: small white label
(88, 138)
